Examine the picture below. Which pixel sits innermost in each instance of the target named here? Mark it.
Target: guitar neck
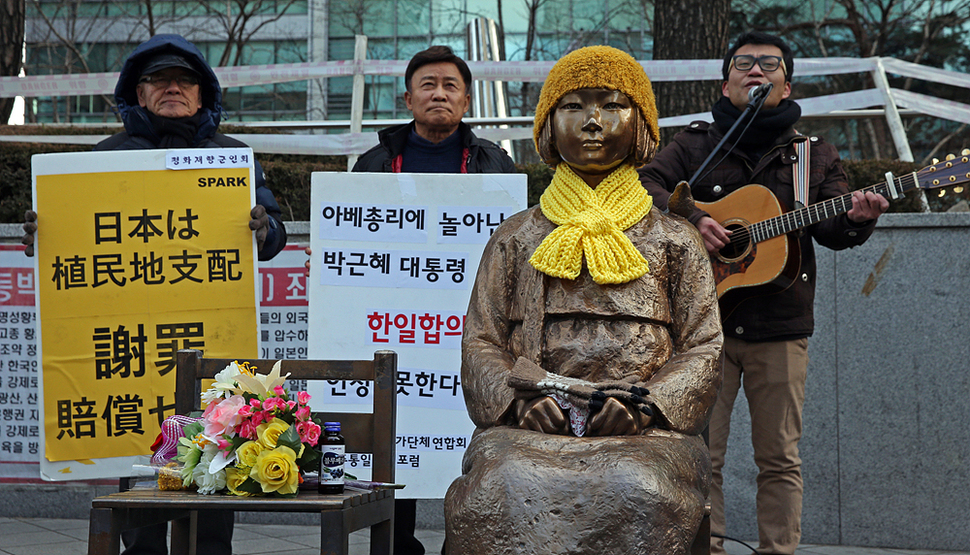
(809, 215)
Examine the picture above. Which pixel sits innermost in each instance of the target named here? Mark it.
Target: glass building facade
(397, 29)
(91, 36)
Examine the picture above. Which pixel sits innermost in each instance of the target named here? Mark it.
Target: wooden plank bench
(372, 432)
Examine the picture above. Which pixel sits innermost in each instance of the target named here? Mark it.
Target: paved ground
(42, 536)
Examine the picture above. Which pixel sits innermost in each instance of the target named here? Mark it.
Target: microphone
(760, 92)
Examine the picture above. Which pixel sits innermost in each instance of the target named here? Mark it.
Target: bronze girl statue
(591, 345)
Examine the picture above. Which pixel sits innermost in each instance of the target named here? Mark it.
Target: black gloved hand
(30, 227)
(259, 224)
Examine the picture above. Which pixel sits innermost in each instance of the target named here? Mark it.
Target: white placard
(420, 319)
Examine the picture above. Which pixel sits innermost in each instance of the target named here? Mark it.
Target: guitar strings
(744, 233)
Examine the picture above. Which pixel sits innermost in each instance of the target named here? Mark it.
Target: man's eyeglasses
(744, 62)
(163, 81)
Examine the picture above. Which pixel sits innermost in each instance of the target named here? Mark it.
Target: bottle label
(332, 466)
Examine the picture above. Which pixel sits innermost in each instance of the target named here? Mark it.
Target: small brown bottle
(332, 461)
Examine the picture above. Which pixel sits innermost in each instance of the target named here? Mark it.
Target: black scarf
(764, 130)
(175, 132)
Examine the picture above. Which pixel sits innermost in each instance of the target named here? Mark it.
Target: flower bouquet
(252, 438)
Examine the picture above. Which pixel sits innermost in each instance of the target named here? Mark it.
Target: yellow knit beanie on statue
(591, 222)
(597, 67)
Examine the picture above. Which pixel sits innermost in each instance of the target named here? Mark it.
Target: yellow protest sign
(134, 262)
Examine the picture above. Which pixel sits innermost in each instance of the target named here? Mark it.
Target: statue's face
(593, 130)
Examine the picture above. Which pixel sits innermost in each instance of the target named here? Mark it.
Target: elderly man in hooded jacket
(169, 97)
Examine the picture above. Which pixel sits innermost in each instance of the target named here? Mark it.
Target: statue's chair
(372, 432)
(702, 541)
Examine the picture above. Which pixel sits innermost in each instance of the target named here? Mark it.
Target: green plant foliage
(540, 176)
(290, 182)
(15, 179)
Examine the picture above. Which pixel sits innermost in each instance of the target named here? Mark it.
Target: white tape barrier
(496, 134)
(805, 67)
(810, 106)
(945, 109)
(54, 139)
(843, 101)
(936, 75)
(658, 70)
(684, 120)
(327, 145)
(345, 144)
(241, 76)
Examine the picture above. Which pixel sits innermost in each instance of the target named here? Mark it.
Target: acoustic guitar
(763, 255)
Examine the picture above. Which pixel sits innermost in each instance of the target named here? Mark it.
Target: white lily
(262, 384)
(220, 460)
(225, 383)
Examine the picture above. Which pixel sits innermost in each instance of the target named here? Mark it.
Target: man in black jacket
(438, 86)
(765, 337)
(169, 97)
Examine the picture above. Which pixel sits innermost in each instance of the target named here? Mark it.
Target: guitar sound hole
(740, 240)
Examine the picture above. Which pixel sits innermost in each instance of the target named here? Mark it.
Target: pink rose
(247, 430)
(272, 404)
(303, 397)
(302, 413)
(279, 391)
(290, 405)
(309, 432)
(222, 418)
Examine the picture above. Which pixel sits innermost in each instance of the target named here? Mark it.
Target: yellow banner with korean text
(139, 254)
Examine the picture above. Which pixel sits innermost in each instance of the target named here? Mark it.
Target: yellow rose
(235, 477)
(268, 433)
(276, 470)
(247, 452)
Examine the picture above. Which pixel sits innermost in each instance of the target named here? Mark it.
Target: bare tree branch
(11, 47)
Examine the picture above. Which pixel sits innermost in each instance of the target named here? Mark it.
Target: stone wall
(886, 441)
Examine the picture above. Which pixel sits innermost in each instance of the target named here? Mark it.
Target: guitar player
(766, 336)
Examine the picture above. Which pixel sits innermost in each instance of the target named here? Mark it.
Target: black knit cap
(165, 61)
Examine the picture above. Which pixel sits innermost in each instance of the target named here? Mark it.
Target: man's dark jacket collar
(395, 137)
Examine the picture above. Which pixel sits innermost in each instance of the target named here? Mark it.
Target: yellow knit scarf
(591, 222)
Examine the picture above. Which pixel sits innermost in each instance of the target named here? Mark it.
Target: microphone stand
(681, 202)
(754, 105)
